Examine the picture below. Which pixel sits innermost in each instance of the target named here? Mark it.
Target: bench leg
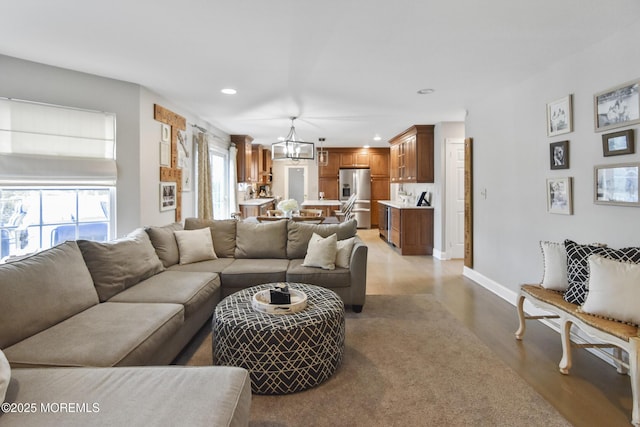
(565, 337)
(617, 354)
(635, 384)
(522, 327)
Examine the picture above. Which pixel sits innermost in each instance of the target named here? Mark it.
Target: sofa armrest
(358, 268)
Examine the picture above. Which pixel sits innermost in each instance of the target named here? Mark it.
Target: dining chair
(311, 212)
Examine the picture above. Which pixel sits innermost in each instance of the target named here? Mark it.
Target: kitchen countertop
(324, 202)
(255, 202)
(400, 205)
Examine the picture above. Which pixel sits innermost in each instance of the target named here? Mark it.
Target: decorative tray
(261, 302)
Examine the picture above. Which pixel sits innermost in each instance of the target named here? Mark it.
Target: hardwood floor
(594, 394)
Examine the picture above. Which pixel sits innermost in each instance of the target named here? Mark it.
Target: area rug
(408, 362)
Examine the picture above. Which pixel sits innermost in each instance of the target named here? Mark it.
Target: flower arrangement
(288, 205)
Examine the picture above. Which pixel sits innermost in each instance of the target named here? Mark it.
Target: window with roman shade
(57, 175)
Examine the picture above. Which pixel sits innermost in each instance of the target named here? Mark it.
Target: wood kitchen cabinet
(244, 156)
(354, 159)
(332, 169)
(412, 230)
(256, 163)
(412, 155)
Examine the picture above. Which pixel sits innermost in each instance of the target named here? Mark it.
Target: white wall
(511, 162)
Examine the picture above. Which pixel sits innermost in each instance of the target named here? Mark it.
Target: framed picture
(614, 144)
(617, 107)
(165, 154)
(616, 184)
(165, 133)
(560, 116)
(168, 195)
(185, 160)
(559, 155)
(559, 197)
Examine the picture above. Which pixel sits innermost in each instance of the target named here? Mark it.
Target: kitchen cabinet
(256, 207)
(410, 229)
(354, 159)
(379, 163)
(379, 191)
(329, 186)
(256, 163)
(332, 169)
(412, 155)
(244, 156)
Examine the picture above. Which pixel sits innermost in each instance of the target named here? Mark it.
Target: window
(57, 175)
(38, 218)
(219, 183)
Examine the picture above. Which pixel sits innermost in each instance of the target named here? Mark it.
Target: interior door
(455, 198)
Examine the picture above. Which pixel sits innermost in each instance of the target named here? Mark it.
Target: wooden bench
(611, 334)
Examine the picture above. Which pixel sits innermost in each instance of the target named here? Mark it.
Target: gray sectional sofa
(250, 254)
(89, 311)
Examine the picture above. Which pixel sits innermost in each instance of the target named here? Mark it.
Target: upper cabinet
(244, 156)
(412, 155)
(253, 161)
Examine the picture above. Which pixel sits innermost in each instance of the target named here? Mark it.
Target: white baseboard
(577, 336)
(438, 254)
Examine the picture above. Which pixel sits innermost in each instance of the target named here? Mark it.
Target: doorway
(455, 184)
(296, 183)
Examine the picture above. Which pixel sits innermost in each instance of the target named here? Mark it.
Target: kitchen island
(328, 207)
(408, 228)
(256, 207)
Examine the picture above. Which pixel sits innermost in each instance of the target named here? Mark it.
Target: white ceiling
(349, 69)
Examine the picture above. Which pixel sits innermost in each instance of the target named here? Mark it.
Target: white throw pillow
(322, 252)
(195, 245)
(554, 257)
(613, 289)
(5, 376)
(343, 255)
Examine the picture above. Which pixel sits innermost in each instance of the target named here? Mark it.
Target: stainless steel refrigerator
(357, 181)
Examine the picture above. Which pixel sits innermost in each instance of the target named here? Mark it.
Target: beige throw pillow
(195, 245)
(554, 257)
(613, 289)
(5, 376)
(322, 252)
(343, 255)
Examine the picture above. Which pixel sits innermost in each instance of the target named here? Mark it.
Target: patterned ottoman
(284, 353)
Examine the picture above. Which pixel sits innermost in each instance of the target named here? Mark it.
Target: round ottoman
(284, 353)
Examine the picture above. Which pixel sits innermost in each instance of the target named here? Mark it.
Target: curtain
(205, 203)
(233, 178)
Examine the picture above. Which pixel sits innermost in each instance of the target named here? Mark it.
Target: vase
(288, 214)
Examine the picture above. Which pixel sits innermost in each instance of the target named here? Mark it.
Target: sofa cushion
(223, 233)
(41, 290)
(298, 273)
(322, 252)
(209, 266)
(189, 289)
(107, 334)
(299, 233)
(120, 264)
(243, 273)
(5, 376)
(195, 245)
(613, 289)
(262, 240)
(164, 241)
(578, 266)
(128, 396)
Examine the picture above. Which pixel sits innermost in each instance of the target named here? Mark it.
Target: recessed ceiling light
(365, 146)
(229, 91)
(377, 138)
(426, 91)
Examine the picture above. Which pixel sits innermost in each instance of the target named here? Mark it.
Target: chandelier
(292, 147)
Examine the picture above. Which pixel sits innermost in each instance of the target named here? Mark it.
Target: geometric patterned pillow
(578, 266)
